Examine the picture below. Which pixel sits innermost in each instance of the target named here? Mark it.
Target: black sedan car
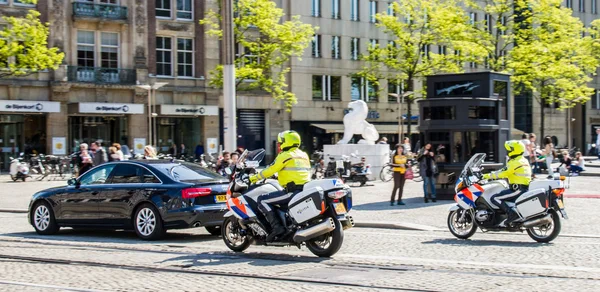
(148, 196)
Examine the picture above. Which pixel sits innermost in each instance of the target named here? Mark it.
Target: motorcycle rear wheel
(328, 244)
(462, 230)
(536, 232)
(232, 237)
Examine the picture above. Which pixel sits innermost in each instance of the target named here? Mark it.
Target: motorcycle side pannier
(306, 204)
(532, 203)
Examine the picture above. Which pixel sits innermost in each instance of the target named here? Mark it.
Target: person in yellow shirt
(399, 170)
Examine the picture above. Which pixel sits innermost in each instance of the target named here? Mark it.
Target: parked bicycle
(387, 171)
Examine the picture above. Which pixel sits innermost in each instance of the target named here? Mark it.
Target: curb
(394, 225)
(13, 211)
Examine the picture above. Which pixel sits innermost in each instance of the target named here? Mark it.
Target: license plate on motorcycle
(220, 199)
(339, 208)
(560, 204)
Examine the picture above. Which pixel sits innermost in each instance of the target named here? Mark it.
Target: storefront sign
(189, 110)
(212, 145)
(58, 146)
(138, 145)
(371, 115)
(27, 106)
(110, 108)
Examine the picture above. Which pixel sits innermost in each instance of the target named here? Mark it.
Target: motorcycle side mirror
(228, 171)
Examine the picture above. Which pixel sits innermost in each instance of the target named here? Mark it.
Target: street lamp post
(229, 106)
(152, 109)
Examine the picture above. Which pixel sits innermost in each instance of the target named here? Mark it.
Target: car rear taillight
(195, 192)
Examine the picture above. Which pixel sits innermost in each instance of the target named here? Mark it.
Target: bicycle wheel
(416, 174)
(387, 173)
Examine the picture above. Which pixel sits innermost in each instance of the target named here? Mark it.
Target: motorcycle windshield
(474, 164)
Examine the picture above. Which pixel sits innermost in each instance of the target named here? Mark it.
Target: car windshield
(188, 172)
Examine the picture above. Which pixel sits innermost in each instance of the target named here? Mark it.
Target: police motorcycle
(539, 208)
(315, 217)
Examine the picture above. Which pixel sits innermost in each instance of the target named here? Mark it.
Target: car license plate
(339, 208)
(220, 198)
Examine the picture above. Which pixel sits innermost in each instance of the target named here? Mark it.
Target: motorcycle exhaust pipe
(536, 222)
(314, 231)
(348, 223)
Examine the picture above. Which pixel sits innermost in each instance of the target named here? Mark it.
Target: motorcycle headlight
(337, 194)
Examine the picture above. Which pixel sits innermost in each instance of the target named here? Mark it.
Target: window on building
(316, 46)
(114, 2)
(439, 113)
(392, 49)
(21, 3)
(569, 4)
(325, 87)
(473, 65)
(354, 48)
(372, 11)
(390, 9)
(316, 8)
(488, 23)
(594, 6)
(335, 47)
(86, 44)
(185, 57)
(363, 89)
(596, 99)
(164, 56)
(163, 8)
(503, 23)
(473, 18)
(335, 9)
(581, 5)
(109, 50)
(396, 87)
(442, 50)
(184, 9)
(425, 51)
(481, 142)
(354, 9)
(482, 112)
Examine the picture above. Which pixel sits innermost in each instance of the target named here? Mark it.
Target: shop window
(439, 113)
(481, 142)
(354, 10)
(457, 149)
(107, 129)
(482, 112)
(185, 57)
(125, 174)
(440, 143)
(501, 92)
(457, 88)
(335, 47)
(316, 8)
(85, 48)
(363, 89)
(372, 11)
(316, 46)
(326, 87)
(354, 48)
(335, 9)
(163, 56)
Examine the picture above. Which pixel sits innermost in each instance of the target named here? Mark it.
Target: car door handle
(95, 193)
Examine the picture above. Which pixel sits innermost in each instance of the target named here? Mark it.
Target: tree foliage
(24, 47)
(268, 45)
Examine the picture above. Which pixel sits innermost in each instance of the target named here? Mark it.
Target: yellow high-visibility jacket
(292, 166)
(517, 171)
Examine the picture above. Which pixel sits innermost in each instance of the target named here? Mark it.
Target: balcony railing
(104, 11)
(102, 75)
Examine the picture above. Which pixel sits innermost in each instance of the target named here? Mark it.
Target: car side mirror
(73, 182)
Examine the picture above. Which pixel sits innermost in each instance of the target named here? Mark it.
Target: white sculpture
(355, 124)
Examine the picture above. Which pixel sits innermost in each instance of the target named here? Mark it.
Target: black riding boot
(513, 215)
(276, 228)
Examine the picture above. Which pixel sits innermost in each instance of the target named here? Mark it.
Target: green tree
(268, 44)
(552, 59)
(414, 28)
(24, 46)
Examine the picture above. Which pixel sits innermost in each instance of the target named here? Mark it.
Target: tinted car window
(97, 176)
(148, 177)
(126, 174)
(187, 172)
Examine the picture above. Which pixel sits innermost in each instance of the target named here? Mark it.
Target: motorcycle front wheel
(231, 233)
(548, 232)
(327, 244)
(461, 228)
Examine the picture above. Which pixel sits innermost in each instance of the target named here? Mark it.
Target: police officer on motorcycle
(518, 173)
(293, 168)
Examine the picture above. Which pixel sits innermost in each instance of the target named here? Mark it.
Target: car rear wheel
(147, 223)
(213, 230)
(43, 220)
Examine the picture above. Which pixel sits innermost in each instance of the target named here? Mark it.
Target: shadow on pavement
(253, 259)
(411, 203)
(470, 242)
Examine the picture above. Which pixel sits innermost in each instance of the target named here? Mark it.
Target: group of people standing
(94, 155)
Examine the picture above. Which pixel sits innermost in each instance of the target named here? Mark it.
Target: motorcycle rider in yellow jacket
(293, 168)
(518, 173)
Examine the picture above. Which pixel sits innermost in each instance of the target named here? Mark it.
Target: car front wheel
(147, 223)
(42, 218)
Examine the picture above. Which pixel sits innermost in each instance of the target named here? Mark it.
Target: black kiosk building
(465, 114)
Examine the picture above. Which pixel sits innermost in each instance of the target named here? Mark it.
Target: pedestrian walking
(406, 146)
(549, 152)
(399, 170)
(100, 156)
(427, 170)
(84, 159)
(113, 155)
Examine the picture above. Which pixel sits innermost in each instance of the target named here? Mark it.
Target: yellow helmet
(514, 148)
(288, 139)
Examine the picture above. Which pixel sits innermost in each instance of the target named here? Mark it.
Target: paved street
(370, 259)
